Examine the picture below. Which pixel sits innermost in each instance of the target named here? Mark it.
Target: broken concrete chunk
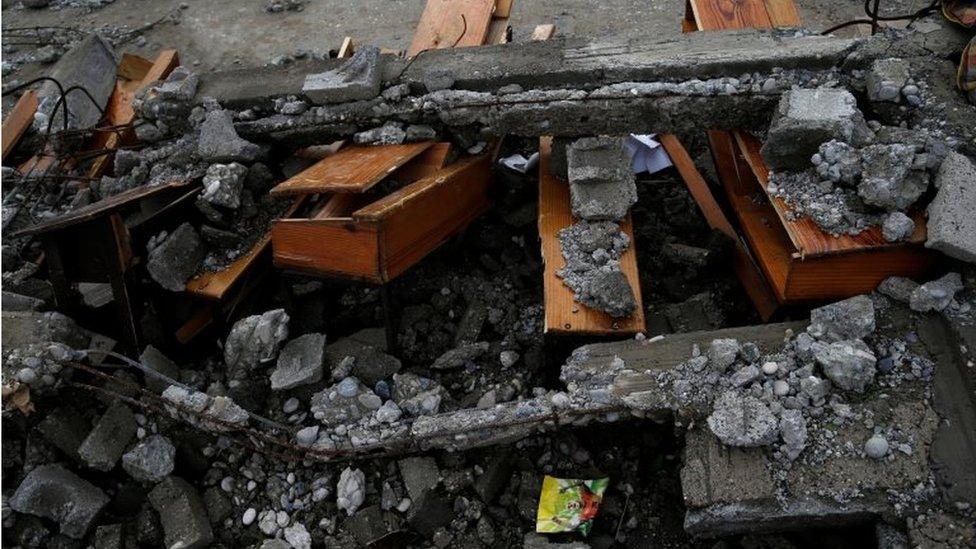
(174, 260)
(358, 78)
(388, 134)
(592, 251)
(460, 356)
(852, 318)
(897, 227)
(345, 402)
(157, 361)
(65, 429)
(848, 364)
(182, 513)
(53, 492)
(219, 141)
(890, 178)
(898, 288)
(223, 183)
(952, 222)
(151, 460)
(601, 184)
(255, 340)
(300, 362)
(935, 295)
(804, 119)
(91, 65)
(350, 490)
(722, 353)
(886, 78)
(105, 444)
(744, 421)
(420, 475)
(609, 291)
(793, 431)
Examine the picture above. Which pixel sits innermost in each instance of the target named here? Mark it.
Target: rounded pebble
(781, 388)
(249, 516)
(290, 405)
(876, 447)
(770, 368)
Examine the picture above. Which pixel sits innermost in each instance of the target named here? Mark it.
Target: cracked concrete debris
(223, 183)
(592, 252)
(175, 257)
(601, 183)
(55, 493)
(806, 118)
(742, 421)
(151, 460)
(300, 362)
(219, 141)
(951, 224)
(357, 79)
(255, 340)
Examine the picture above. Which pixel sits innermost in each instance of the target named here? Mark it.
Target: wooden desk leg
(389, 318)
(59, 280)
(124, 287)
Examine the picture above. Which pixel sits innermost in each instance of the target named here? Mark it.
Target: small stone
(307, 436)
(223, 183)
(897, 227)
(152, 460)
(848, 364)
(249, 516)
(298, 536)
(722, 353)
(745, 376)
(936, 295)
(301, 362)
(290, 405)
(876, 447)
(350, 490)
(781, 388)
(770, 368)
(852, 318)
(742, 421)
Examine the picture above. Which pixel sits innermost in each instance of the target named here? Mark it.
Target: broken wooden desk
(103, 242)
(800, 262)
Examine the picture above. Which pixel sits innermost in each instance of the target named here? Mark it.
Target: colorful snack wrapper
(569, 505)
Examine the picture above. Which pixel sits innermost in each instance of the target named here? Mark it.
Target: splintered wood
(563, 315)
(354, 169)
(18, 120)
(452, 23)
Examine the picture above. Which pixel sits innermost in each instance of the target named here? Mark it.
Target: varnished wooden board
(807, 237)
(743, 263)
(353, 169)
(215, 285)
(332, 247)
(741, 14)
(19, 119)
(563, 315)
(452, 23)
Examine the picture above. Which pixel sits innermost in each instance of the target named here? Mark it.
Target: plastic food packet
(569, 505)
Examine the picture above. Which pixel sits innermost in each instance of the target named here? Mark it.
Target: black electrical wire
(63, 101)
(871, 9)
(35, 81)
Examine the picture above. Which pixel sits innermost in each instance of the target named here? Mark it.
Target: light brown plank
(498, 32)
(503, 9)
(331, 247)
(729, 14)
(133, 67)
(353, 169)
(543, 32)
(452, 23)
(18, 120)
(782, 13)
(807, 237)
(418, 218)
(347, 48)
(215, 285)
(339, 205)
(562, 314)
(425, 164)
(743, 263)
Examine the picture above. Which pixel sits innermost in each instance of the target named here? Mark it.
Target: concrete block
(182, 514)
(300, 362)
(53, 492)
(219, 141)
(886, 79)
(952, 224)
(105, 443)
(420, 475)
(601, 183)
(155, 359)
(714, 473)
(92, 64)
(357, 79)
(174, 260)
(806, 118)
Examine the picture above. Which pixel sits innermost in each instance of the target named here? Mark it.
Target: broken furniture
(104, 242)
(452, 23)
(800, 262)
(563, 315)
(19, 119)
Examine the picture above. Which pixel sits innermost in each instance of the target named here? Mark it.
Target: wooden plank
(782, 13)
(452, 23)
(425, 164)
(19, 119)
(336, 247)
(834, 277)
(347, 48)
(543, 32)
(215, 285)
(133, 67)
(339, 205)
(503, 9)
(498, 32)
(353, 169)
(562, 314)
(418, 218)
(743, 263)
(729, 14)
(807, 237)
